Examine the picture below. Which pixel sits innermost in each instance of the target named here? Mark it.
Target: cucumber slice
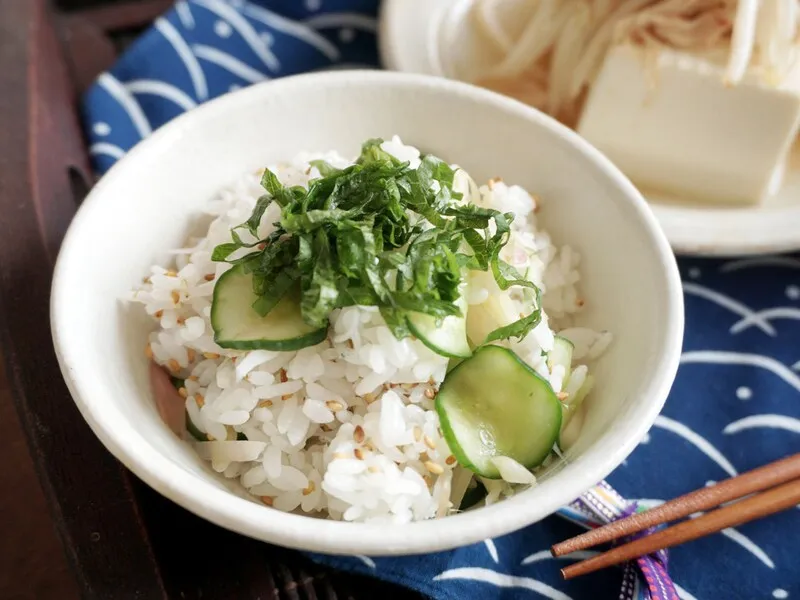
(493, 404)
(237, 325)
(561, 354)
(448, 338)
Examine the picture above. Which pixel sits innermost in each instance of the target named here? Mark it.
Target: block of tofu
(680, 129)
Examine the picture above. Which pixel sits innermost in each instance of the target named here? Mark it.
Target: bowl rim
(230, 511)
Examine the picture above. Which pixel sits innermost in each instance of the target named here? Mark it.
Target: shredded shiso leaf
(377, 233)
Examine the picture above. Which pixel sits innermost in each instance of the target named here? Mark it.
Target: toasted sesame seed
(373, 469)
(265, 403)
(433, 467)
(174, 365)
(358, 434)
(287, 396)
(430, 393)
(340, 455)
(522, 315)
(325, 427)
(408, 386)
(417, 433)
(200, 400)
(369, 398)
(267, 500)
(180, 320)
(210, 277)
(283, 376)
(210, 437)
(334, 405)
(311, 487)
(146, 280)
(450, 460)
(192, 378)
(176, 296)
(158, 314)
(182, 391)
(191, 354)
(430, 443)
(562, 396)
(359, 454)
(148, 351)
(210, 355)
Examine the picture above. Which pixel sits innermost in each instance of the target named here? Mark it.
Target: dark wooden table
(122, 539)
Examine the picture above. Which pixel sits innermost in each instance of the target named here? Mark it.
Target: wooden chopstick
(756, 480)
(774, 500)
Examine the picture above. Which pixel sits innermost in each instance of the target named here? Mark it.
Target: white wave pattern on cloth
(545, 555)
(697, 441)
(729, 303)
(722, 357)
(235, 19)
(293, 28)
(760, 261)
(164, 90)
(229, 63)
(764, 422)
(106, 149)
(684, 595)
(332, 20)
(366, 560)
(749, 545)
(502, 580)
(184, 14)
(765, 316)
(185, 54)
(128, 103)
(492, 550)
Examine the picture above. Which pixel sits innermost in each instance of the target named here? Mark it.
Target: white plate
(432, 36)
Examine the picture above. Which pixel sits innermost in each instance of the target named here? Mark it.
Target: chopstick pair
(777, 482)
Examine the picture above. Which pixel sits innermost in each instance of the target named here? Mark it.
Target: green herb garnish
(377, 233)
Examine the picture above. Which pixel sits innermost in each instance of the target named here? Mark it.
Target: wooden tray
(122, 539)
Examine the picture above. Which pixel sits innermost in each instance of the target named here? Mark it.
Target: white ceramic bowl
(145, 204)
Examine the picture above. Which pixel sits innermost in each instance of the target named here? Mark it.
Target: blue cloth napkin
(736, 401)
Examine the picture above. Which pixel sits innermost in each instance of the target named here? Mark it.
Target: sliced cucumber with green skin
(237, 325)
(447, 338)
(493, 404)
(561, 354)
